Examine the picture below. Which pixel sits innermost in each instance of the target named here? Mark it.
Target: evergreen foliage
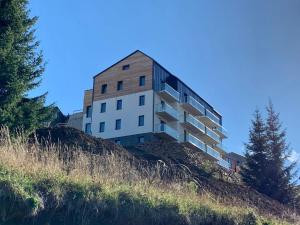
(21, 68)
(267, 168)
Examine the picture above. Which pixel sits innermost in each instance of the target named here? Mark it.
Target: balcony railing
(195, 141)
(215, 154)
(195, 123)
(168, 92)
(193, 106)
(164, 128)
(221, 147)
(212, 117)
(167, 111)
(212, 135)
(221, 131)
(224, 164)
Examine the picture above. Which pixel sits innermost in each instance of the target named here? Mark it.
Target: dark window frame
(86, 128)
(141, 121)
(142, 81)
(101, 128)
(120, 85)
(118, 124)
(103, 88)
(119, 104)
(141, 139)
(126, 67)
(103, 107)
(142, 100)
(89, 111)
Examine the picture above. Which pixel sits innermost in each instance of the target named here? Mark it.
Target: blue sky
(236, 54)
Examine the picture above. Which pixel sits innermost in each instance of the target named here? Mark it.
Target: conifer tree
(254, 171)
(21, 67)
(281, 173)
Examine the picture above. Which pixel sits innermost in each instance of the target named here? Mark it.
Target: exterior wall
(128, 114)
(87, 101)
(133, 139)
(140, 65)
(75, 120)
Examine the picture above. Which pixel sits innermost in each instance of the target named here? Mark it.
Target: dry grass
(103, 181)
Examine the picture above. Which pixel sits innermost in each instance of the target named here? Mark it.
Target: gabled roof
(138, 51)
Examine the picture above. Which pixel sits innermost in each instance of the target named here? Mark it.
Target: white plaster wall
(129, 115)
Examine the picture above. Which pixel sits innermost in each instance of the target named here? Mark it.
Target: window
(102, 127)
(126, 67)
(103, 107)
(142, 80)
(142, 100)
(88, 128)
(89, 111)
(118, 124)
(119, 104)
(103, 88)
(120, 85)
(141, 139)
(117, 141)
(141, 120)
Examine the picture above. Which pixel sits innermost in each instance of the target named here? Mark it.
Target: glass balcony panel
(167, 109)
(190, 100)
(224, 164)
(211, 116)
(166, 129)
(171, 91)
(221, 130)
(213, 152)
(196, 142)
(212, 134)
(192, 120)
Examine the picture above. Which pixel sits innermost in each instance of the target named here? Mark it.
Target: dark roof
(161, 67)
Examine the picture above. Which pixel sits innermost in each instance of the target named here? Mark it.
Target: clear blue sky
(235, 54)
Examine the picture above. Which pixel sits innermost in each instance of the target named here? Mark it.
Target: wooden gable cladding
(140, 65)
(87, 99)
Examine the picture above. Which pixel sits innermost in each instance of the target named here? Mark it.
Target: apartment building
(137, 100)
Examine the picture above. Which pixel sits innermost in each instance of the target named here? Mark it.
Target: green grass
(58, 199)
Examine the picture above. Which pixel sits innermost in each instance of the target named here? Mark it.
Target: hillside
(72, 178)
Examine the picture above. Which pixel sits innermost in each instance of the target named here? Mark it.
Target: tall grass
(54, 184)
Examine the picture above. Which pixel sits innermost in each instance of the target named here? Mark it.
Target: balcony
(193, 125)
(167, 112)
(213, 153)
(166, 131)
(220, 147)
(193, 106)
(221, 131)
(168, 93)
(210, 137)
(210, 120)
(195, 142)
(223, 163)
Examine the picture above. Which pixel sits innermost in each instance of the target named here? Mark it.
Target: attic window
(126, 67)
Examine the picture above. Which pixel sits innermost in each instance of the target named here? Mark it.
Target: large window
(102, 127)
(141, 120)
(88, 128)
(103, 88)
(118, 124)
(119, 104)
(142, 100)
(142, 80)
(120, 85)
(89, 111)
(103, 107)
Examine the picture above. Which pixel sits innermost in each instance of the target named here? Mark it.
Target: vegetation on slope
(38, 185)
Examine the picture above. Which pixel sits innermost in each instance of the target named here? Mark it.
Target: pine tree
(281, 174)
(21, 68)
(254, 171)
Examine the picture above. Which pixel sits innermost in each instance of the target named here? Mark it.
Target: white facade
(129, 115)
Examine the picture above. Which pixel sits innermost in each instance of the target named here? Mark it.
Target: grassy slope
(37, 186)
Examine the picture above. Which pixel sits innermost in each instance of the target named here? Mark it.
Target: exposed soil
(173, 155)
